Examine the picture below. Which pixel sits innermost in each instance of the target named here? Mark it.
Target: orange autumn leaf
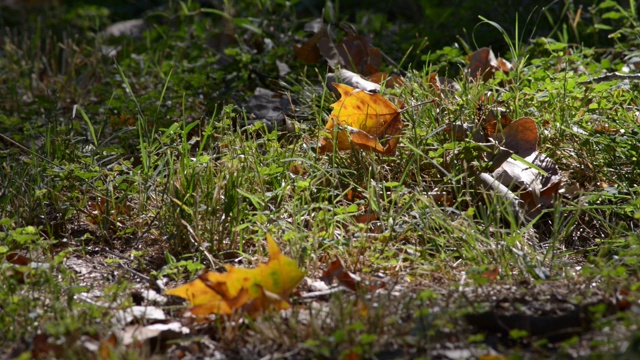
(362, 120)
(266, 287)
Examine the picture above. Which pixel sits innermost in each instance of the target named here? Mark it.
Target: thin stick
(417, 105)
(196, 240)
(25, 149)
(611, 76)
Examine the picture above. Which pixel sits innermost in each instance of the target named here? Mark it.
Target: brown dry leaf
(504, 65)
(121, 121)
(490, 122)
(351, 355)
(319, 46)
(107, 347)
(492, 357)
(354, 195)
(354, 52)
(347, 279)
(434, 80)
(535, 190)
(483, 63)
(297, 169)
(491, 274)
(44, 346)
(18, 260)
(389, 80)
(217, 293)
(441, 86)
(520, 136)
(101, 208)
(605, 128)
(357, 54)
(365, 121)
(337, 271)
(367, 217)
(309, 52)
(441, 198)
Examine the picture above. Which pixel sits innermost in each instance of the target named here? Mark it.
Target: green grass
(117, 173)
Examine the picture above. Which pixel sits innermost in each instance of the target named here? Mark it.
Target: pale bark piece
(137, 333)
(498, 190)
(129, 28)
(148, 313)
(352, 79)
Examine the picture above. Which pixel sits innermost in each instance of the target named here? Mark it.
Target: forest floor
(482, 204)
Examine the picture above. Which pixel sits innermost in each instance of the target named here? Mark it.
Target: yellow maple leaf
(364, 120)
(268, 286)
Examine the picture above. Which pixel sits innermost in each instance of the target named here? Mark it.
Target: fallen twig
(499, 190)
(315, 295)
(611, 76)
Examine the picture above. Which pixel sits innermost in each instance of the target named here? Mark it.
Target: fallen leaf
(389, 80)
(351, 355)
(357, 54)
(364, 120)
(483, 64)
(107, 347)
(319, 46)
(504, 65)
(520, 136)
(17, 259)
(492, 357)
(490, 122)
(354, 52)
(107, 212)
(354, 195)
(266, 287)
(536, 189)
(269, 108)
(44, 346)
(297, 169)
(329, 51)
(17, 273)
(309, 52)
(336, 270)
(367, 217)
(441, 86)
(491, 274)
